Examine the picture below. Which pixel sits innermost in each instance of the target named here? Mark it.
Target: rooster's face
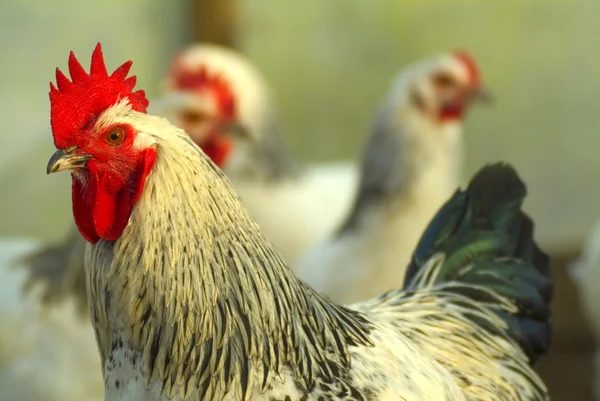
(92, 125)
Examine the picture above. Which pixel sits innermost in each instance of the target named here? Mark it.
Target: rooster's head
(92, 125)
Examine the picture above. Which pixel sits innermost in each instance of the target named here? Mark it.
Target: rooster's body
(189, 301)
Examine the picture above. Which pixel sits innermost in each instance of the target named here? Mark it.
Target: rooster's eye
(115, 136)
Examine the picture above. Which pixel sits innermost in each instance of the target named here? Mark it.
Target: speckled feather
(192, 302)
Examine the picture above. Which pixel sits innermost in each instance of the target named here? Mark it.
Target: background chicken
(410, 167)
(221, 100)
(189, 299)
(47, 345)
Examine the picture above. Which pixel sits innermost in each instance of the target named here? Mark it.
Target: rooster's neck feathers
(196, 314)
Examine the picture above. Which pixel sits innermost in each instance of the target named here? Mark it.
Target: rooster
(410, 167)
(190, 301)
(44, 292)
(219, 98)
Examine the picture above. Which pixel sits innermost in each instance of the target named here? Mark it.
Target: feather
(489, 253)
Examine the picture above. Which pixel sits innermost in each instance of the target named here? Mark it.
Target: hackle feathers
(211, 302)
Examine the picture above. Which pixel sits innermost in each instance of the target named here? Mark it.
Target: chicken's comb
(75, 105)
(199, 78)
(470, 64)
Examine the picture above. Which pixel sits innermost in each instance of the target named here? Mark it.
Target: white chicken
(410, 167)
(47, 345)
(223, 103)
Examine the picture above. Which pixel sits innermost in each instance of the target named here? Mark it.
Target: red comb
(470, 65)
(198, 78)
(76, 104)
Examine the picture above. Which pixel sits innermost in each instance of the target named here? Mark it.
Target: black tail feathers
(488, 244)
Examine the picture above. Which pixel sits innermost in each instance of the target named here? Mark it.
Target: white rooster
(46, 342)
(190, 301)
(223, 103)
(410, 167)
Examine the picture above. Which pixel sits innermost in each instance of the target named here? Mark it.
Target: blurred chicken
(410, 167)
(190, 301)
(47, 345)
(223, 103)
(585, 273)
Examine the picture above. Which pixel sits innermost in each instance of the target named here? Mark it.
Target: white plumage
(48, 352)
(210, 311)
(298, 212)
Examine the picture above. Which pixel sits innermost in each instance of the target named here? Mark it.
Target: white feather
(298, 213)
(46, 353)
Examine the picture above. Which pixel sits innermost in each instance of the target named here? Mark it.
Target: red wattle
(111, 206)
(218, 150)
(82, 210)
(103, 206)
(451, 113)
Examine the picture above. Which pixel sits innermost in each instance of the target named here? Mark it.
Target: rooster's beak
(63, 160)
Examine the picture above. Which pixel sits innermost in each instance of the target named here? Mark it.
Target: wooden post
(214, 21)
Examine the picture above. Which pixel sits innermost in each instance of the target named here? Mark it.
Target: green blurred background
(329, 62)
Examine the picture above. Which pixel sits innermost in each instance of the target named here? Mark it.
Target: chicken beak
(235, 129)
(63, 160)
(483, 95)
